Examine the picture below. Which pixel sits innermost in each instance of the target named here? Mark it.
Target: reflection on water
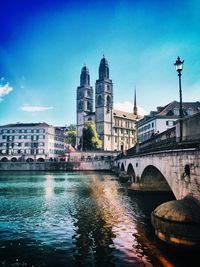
(78, 219)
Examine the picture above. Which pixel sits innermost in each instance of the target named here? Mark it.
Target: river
(58, 219)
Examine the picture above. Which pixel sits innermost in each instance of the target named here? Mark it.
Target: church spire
(135, 110)
(85, 77)
(103, 69)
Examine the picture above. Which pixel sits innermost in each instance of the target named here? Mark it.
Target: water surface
(79, 219)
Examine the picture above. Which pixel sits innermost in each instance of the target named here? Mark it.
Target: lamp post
(179, 68)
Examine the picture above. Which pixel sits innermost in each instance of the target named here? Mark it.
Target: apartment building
(31, 142)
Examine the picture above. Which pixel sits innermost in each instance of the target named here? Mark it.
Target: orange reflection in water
(114, 212)
(114, 209)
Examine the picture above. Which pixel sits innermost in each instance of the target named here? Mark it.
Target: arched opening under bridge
(30, 160)
(14, 159)
(153, 180)
(40, 160)
(4, 159)
(131, 172)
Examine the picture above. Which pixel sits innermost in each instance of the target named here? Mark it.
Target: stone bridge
(176, 170)
(176, 222)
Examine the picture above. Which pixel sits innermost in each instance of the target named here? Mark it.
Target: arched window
(108, 103)
(80, 106)
(80, 94)
(99, 100)
(88, 93)
(88, 105)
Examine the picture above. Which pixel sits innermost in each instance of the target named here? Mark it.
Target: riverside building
(31, 142)
(115, 128)
(164, 118)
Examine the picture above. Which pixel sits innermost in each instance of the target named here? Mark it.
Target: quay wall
(56, 166)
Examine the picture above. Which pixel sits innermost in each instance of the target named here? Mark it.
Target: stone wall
(191, 128)
(56, 166)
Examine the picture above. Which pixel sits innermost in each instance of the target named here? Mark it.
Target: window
(169, 123)
(99, 100)
(108, 103)
(190, 111)
(176, 111)
(27, 144)
(88, 93)
(88, 105)
(99, 88)
(80, 106)
(34, 137)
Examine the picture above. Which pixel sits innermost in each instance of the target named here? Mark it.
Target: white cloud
(128, 107)
(28, 108)
(5, 89)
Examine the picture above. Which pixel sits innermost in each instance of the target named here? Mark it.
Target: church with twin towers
(115, 128)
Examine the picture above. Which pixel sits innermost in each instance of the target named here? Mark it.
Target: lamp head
(179, 65)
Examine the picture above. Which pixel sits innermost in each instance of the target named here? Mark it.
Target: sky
(44, 45)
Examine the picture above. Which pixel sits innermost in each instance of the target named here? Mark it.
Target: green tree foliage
(71, 135)
(90, 137)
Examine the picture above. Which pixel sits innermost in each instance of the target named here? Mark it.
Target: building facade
(115, 128)
(163, 119)
(31, 142)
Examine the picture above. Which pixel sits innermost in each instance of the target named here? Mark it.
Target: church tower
(104, 105)
(84, 101)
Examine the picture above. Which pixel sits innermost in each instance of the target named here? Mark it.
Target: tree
(90, 137)
(71, 135)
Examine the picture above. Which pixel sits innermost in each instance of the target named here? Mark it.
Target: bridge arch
(153, 179)
(30, 160)
(131, 172)
(4, 159)
(13, 159)
(40, 160)
(122, 167)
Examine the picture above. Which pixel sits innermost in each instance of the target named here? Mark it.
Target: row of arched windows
(88, 106)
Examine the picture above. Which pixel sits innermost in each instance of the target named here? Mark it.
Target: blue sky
(44, 45)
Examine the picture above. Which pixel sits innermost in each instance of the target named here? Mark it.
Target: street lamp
(179, 68)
